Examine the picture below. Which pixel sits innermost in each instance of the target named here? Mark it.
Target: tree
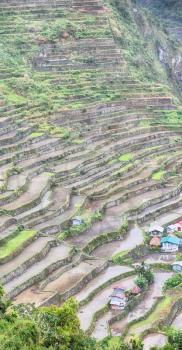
(173, 281)
(136, 343)
(59, 326)
(4, 304)
(145, 271)
(165, 347)
(19, 335)
(175, 339)
(141, 282)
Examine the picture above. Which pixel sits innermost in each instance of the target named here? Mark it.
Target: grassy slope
(156, 317)
(16, 243)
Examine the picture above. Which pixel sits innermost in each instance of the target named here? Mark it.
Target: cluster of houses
(119, 296)
(166, 238)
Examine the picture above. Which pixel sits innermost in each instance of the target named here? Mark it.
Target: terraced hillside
(80, 136)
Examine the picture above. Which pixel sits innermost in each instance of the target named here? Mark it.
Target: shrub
(141, 282)
(173, 281)
(175, 339)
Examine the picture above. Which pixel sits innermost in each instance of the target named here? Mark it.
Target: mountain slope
(90, 127)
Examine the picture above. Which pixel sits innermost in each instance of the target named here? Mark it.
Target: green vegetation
(54, 62)
(122, 258)
(174, 341)
(123, 169)
(54, 130)
(145, 276)
(117, 343)
(126, 157)
(173, 281)
(25, 327)
(178, 234)
(35, 134)
(15, 243)
(169, 10)
(160, 310)
(141, 282)
(170, 117)
(87, 221)
(158, 175)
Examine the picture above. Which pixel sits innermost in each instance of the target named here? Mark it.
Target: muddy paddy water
(106, 275)
(66, 281)
(101, 327)
(177, 322)
(55, 254)
(133, 238)
(86, 312)
(155, 339)
(147, 303)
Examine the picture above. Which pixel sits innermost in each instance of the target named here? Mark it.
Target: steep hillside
(169, 10)
(168, 15)
(90, 125)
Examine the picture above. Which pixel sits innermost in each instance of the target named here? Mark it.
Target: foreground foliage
(173, 281)
(25, 327)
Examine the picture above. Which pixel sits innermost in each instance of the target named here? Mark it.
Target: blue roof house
(118, 298)
(177, 266)
(170, 244)
(77, 220)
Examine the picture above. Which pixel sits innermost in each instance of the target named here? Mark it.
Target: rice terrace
(90, 174)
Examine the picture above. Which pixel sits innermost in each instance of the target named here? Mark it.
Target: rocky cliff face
(169, 15)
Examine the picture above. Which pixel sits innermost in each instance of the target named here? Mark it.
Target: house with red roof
(136, 290)
(178, 226)
(155, 241)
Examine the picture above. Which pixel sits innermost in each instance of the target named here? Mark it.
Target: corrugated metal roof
(170, 239)
(177, 263)
(156, 228)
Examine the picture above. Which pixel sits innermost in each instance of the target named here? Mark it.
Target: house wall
(177, 268)
(168, 247)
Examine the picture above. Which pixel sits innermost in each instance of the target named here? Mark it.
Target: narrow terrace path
(27, 254)
(112, 188)
(173, 202)
(16, 181)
